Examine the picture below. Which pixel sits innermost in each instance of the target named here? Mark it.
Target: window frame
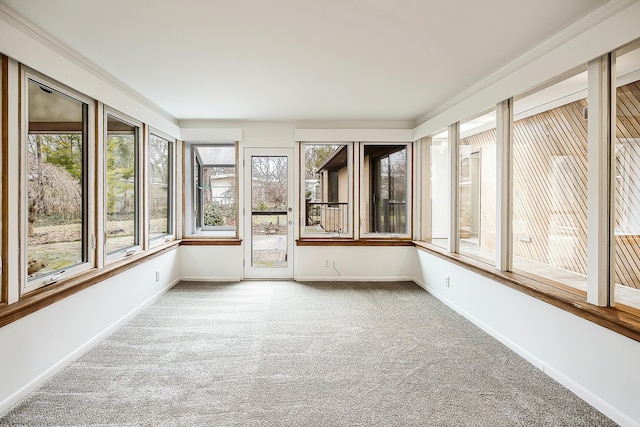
(480, 153)
(171, 226)
(88, 184)
(349, 234)
(365, 184)
(427, 190)
(198, 199)
(4, 140)
(138, 185)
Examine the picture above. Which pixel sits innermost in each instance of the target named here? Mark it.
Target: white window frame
(137, 246)
(210, 231)
(364, 195)
(89, 185)
(350, 193)
(171, 191)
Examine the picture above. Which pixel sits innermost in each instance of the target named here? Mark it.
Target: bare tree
(51, 190)
(269, 181)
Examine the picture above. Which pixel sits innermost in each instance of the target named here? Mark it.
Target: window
(477, 187)
(3, 154)
(549, 151)
(57, 183)
(122, 202)
(437, 220)
(386, 187)
(215, 189)
(327, 190)
(160, 187)
(626, 154)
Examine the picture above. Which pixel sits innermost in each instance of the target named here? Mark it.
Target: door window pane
(56, 181)
(121, 185)
(269, 211)
(160, 151)
(477, 187)
(550, 183)
(627, 179)
(327, 184)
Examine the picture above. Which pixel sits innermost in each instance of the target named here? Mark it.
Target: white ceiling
(301, 59)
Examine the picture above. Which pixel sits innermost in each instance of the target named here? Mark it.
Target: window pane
(385, 172)
(477, 187)
(627, 182)
(121, 185)
(55, 181)
(438, 187)
(550, 183)
(327, 189)
(215, 194)
(160, 186)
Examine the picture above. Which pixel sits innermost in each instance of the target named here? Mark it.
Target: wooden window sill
(352, 242)
(573, 301)
(42, 297)
(210, 241)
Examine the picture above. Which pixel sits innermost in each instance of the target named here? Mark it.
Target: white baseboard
(209, 279)
(531, 358)
(579, 390)
(23, 392)
(354, 279)
(592, 399)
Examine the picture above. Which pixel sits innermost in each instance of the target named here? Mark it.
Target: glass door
(268, 213)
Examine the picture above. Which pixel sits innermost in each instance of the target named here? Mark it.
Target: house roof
(337, 160)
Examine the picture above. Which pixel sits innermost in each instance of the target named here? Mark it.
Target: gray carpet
(295, 354)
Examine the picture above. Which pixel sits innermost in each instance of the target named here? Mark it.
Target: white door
(268, 218)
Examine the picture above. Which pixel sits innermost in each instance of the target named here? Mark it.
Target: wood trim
(352, 242)
(619, 321)
(46, 296)
(55, 127)
(203, 241)
(4, 126)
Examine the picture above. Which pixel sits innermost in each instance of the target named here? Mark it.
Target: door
(268, 219)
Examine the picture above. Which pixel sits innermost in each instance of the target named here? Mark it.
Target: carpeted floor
(301, 354)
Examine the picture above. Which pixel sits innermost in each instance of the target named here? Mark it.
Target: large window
(626, 152)
(386, 190)
(56, 183)
(436, 229)
(160, 186)
(327, 189)
(550, 183)
(477, 187)
(122, 186)
(215, 189)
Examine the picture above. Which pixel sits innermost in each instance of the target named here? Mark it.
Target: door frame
(250, 272)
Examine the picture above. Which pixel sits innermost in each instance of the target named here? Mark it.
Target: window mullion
(454, 180)
(599, 182)
(100, 228)
(504, 248)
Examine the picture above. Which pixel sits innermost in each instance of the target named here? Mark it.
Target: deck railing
(328, 217)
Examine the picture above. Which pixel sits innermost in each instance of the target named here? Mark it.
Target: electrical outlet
(326, 263)
(157, 276)
(447, 281)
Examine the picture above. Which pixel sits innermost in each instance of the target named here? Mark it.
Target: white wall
(37, 346)
(597, 364)
(371, 263)
(214, 263)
